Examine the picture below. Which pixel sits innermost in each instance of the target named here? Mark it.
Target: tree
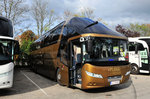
(127, 32)
(85, 12)
(50, 22)
(27, 38)
(67, 15)
(27, 35)
(144, 29)
(14, 10)
(43, 18)
(26, 46)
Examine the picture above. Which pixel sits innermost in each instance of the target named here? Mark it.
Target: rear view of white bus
(7, 46)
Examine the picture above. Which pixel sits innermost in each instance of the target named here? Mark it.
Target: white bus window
(131, 46)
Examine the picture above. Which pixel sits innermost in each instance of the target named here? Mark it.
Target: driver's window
(140, 47)
(131, 46)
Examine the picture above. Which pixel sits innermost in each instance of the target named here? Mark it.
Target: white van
(139, 54)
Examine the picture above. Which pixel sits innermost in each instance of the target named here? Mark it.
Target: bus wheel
(58, 76)
(134, 69)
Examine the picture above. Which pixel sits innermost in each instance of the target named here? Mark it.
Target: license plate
(114, 82)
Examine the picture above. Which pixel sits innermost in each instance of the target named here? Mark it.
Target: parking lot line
(34, 83)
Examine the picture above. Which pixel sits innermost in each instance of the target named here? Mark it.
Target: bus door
(64, 66)
(134, 57)
(143, 52)
(75, 64)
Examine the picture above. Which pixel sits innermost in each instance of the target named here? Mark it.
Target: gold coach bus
(82, 53)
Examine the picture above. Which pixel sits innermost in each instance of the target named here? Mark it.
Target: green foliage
(27, 38)
(143, 29)
(28, 35)
(26, 46)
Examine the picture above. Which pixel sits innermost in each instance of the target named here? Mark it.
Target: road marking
(34, 83)
(134, 89)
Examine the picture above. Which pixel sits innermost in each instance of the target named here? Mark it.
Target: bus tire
(58, 76)
(134, 69)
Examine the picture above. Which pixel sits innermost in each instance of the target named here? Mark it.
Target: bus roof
(148, 37)
(6, 28)
(80, 25)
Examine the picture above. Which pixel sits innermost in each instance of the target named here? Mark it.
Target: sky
(113, 12)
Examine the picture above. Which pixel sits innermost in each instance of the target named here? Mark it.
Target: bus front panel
(103, 62)
(6, 75)
(103, 76)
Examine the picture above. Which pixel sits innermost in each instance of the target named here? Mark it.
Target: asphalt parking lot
(29, 85)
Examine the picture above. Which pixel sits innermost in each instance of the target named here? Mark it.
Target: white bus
(139, 54)
(7, 53)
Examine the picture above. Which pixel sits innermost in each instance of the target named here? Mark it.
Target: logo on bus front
(114, 70)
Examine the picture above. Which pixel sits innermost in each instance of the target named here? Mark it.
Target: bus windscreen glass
(6, 50)
(106, 49)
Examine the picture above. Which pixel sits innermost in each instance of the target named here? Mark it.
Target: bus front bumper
(6, 75)
(103, 76)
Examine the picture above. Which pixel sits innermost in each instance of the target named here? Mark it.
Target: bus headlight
(127, 73)
(93, 75)
(5, 74)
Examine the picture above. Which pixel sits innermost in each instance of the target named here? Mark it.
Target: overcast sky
(113, 12)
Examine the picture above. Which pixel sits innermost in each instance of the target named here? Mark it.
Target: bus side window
(140, 47)
(131, 46)
(52, 37)
(56, 34)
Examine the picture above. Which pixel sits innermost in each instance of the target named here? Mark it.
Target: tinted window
(131, 46)
(56, 34)
(106, 49)
(80, 23)
(49, 37)
(140, 47)
(6, 28)
(147, 41)
(52, 37)
(6, 50)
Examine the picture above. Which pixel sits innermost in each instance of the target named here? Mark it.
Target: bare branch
(43, 18)
(13, 9)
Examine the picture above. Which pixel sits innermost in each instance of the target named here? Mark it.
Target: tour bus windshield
(105, 49)
(6, 50)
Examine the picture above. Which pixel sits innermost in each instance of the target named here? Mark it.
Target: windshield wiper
(96, 22)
